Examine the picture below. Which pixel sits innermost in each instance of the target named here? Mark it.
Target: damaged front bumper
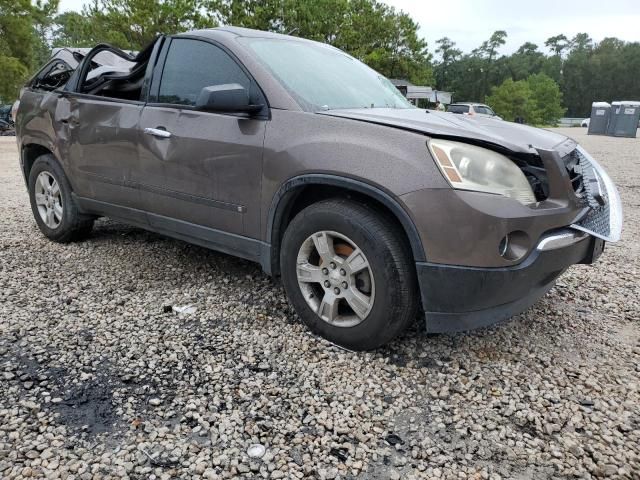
(458, 297)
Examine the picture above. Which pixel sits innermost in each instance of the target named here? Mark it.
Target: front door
(199, 172)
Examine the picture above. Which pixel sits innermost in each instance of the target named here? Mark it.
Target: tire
(66, 224)
(386, 283)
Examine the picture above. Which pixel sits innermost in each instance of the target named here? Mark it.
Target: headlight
(468, 167)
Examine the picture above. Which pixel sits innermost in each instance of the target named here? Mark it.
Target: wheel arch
(301, 191)
(30, 152)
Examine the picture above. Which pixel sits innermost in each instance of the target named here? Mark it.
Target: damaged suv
(293, 154)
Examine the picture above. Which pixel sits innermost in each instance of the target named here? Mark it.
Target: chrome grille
(572, 164)
(598, 194)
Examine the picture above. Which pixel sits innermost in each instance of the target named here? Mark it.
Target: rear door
(102, 146)
(199, 172)
(99, 136)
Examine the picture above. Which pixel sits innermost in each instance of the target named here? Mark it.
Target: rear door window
(458, 109)
(54, 75)
(483, 110)
(192, 65)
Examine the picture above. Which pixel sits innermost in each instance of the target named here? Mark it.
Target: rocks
(97, 380)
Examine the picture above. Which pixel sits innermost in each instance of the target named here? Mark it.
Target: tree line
(575, 73)
(583, 70)
(370, 30)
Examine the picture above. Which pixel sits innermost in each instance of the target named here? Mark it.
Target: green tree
(557, 44)
(23, 27)
(578, 76)
(130, 24)
(525, 61)
(449, 55)
(546, 98)
(43, 14)
(552, 65)
(512, 100)
(12, 74)
(73, 29)
(536, 99)
(370, 30)
(405, 54)
(629, 73)
(488, 52)
(581, 41)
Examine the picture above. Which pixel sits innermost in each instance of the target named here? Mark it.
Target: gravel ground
(101, 379)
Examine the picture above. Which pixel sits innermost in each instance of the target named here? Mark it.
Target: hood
(484, 130)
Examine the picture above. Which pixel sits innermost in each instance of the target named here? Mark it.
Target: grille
(572, 164)
(597, 219)
(589, 187)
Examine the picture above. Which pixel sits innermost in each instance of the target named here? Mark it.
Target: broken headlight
(468, 167)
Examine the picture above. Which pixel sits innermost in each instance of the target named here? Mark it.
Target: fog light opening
(514, 245)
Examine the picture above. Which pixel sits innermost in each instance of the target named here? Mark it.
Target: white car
(585, 122)
(479, 109)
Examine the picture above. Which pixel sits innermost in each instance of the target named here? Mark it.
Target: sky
(470, 22)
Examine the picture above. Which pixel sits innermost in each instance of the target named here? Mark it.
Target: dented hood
(484, 130)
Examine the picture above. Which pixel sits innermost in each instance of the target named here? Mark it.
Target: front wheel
(347, 270)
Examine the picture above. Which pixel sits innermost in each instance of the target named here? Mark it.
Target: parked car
(5, 126)
(479, 109)
(5, 113)
(366, 207)
(6, 122)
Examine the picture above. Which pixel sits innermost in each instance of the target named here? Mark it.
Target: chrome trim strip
(560, 240)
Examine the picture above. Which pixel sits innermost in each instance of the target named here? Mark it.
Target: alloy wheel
(335, 278)
(48, 199)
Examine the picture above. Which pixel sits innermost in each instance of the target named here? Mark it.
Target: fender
(286, 194)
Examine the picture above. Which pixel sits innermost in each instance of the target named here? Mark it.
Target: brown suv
(295, 155)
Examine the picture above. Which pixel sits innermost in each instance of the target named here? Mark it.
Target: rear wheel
(348, 272)
(53, 206)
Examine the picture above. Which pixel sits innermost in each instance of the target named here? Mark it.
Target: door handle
(157, 132)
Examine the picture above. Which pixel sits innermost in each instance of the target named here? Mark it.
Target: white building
(416, 92)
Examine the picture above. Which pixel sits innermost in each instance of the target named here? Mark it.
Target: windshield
(321, 77)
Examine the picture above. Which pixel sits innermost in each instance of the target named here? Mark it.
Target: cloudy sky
(470, 22)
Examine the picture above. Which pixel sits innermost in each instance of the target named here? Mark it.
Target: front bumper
(457, 298)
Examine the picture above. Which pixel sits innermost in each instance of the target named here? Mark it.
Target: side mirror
(231, 98)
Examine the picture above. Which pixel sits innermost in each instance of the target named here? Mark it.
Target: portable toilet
(625, 116)
(600, 113)
(613, 117)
